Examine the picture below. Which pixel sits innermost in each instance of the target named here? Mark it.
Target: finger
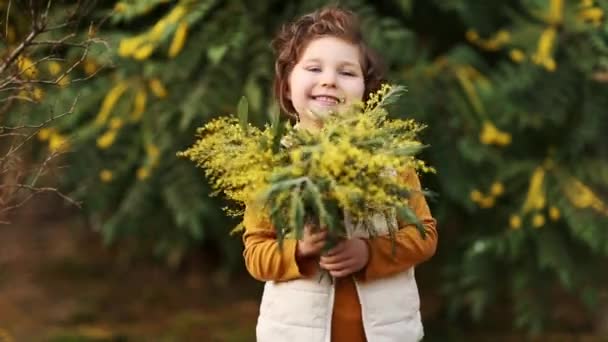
(335, 259)
(337, 265)
(318, 236)
(341, 273)
(308, 229)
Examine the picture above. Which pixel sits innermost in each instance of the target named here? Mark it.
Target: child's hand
(311, 243)
(348, 257)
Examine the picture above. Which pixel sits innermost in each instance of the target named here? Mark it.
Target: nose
(328, 79)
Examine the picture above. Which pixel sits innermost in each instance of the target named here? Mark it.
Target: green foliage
(513, 93)
(522, 113)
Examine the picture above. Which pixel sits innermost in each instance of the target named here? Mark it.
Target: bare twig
(34, 191)
(13, 150)
(18, 51)
(18, 82)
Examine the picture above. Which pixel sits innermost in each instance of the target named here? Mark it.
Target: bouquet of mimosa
(350, 165)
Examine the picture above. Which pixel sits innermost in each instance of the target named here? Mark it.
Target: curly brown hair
(294, 37)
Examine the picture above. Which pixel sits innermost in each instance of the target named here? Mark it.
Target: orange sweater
(265, 261)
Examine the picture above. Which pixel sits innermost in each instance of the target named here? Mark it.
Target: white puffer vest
(301, 310)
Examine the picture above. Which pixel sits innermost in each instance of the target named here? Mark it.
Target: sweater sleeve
(410, 247)
(264, 259)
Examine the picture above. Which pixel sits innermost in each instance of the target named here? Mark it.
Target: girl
(323, 65)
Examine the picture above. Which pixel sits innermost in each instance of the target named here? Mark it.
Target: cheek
(357, 89)
(292, 85)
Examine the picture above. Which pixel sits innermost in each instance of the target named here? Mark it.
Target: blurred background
(106, 235)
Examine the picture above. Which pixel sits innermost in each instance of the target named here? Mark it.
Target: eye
(313, 69)
(348, 73)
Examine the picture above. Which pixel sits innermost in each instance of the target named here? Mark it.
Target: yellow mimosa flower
(37, 94)
(492, 135)
(517, 55)
(497, 189)
(64, 81)
(487, 202)
(89, 66)
(110, 101)
(27, 67)
(120, 7)
(515, 222)
(106, 140)
(115, 123)
(157, 88)
(476, 196)
(139, 104)
(472, 35)
(58, 143)
(554, 213)
(54, 68)
(536, 191)
(106, 175)
(178, 39)
(144, 51)
(556, 10)
(538, 220)
(45, 133)
(143, 173)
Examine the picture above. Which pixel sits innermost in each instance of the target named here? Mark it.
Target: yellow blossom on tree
(549, 64)
(554, 213)
(63, 81)
(45, 133)
(153, 153)
(143, 173)
(139, 104)
(157, 88)
(593, 15)
(472, 35)
(89, 66)
(106, 175)
(116, 123)
(543, 55)
(110, 101)
(27, 67)
(515, 222)
(178, 39)
(120, 7)
(491, 135)
(538, 220)
(144, 51)
(493, 43)
(556, 11)
(37, 94)
(487, 202)
(107, 139)
(535, 198)
(476, 196)
(128, 46)
(517, 55)
(58, 143)
(497, 189)
(581, 196)
(54, 68)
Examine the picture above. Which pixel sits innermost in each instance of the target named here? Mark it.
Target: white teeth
(327, 99)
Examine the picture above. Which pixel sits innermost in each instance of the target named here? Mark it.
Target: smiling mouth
(327, 99)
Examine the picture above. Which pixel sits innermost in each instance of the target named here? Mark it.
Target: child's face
(327, 78)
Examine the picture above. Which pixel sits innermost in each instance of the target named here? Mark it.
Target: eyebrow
(342, 63)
